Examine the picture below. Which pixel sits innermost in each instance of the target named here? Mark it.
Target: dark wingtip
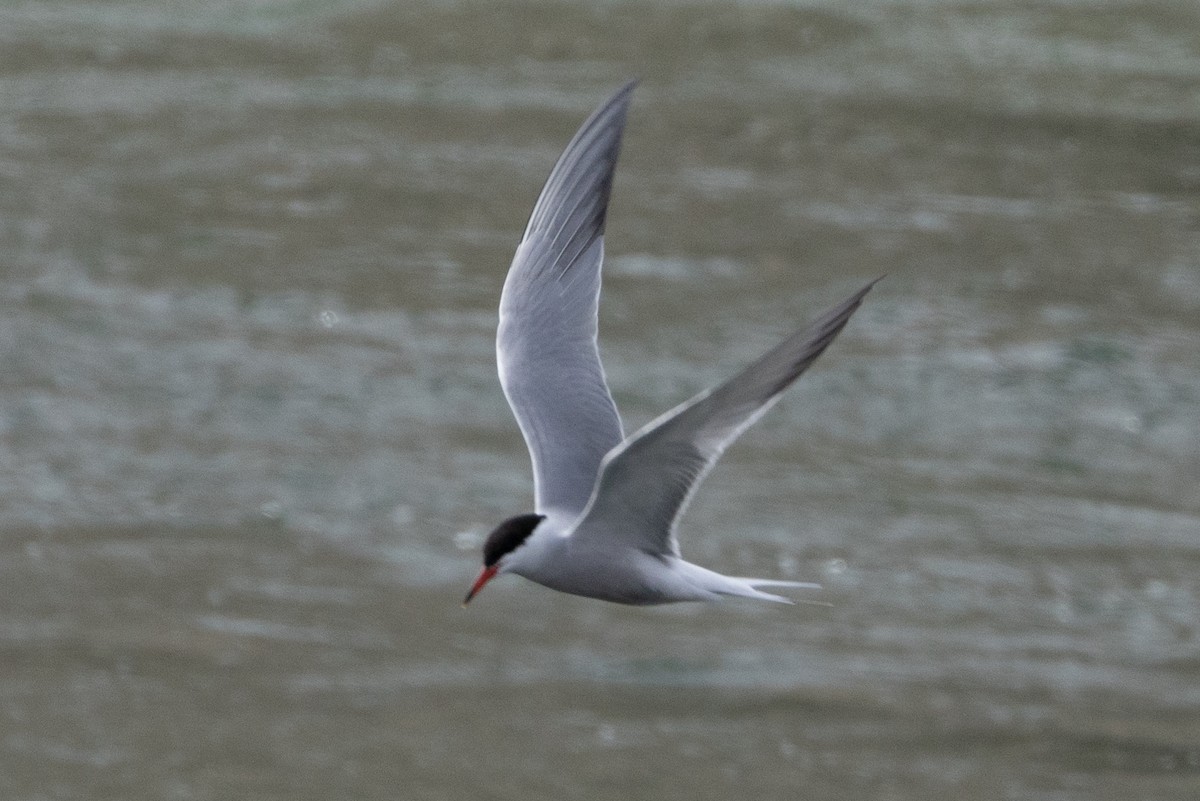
(572, 208)
(814, 339)
(628, 86)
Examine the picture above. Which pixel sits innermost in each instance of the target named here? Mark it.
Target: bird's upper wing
(645, 484)
(546, 349)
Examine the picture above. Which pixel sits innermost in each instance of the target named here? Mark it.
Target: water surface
(251, 436)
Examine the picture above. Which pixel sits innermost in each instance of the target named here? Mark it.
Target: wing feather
(546, 346)
(645, 485)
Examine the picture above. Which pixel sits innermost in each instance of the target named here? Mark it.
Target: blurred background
(251, 436)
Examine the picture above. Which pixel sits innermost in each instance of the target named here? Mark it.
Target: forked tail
(749, 588)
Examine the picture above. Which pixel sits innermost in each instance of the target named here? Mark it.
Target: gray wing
(546, 349)
(645, 485)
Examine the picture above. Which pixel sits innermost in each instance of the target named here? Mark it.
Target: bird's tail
(750, 589)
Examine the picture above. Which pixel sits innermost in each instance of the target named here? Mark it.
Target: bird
(607, 506)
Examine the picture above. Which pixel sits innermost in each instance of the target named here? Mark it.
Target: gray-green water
(250, 433)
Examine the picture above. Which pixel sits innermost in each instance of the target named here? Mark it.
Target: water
(250, 434)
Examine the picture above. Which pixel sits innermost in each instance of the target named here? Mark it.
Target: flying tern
(607, 505)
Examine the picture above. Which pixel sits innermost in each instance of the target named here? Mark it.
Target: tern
(607, 505)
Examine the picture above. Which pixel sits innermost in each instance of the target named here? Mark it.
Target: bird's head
(499, 547)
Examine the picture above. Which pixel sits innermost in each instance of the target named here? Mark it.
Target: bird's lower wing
(644, 485)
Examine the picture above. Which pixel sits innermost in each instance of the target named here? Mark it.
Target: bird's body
(559, 559)
(607, 505)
